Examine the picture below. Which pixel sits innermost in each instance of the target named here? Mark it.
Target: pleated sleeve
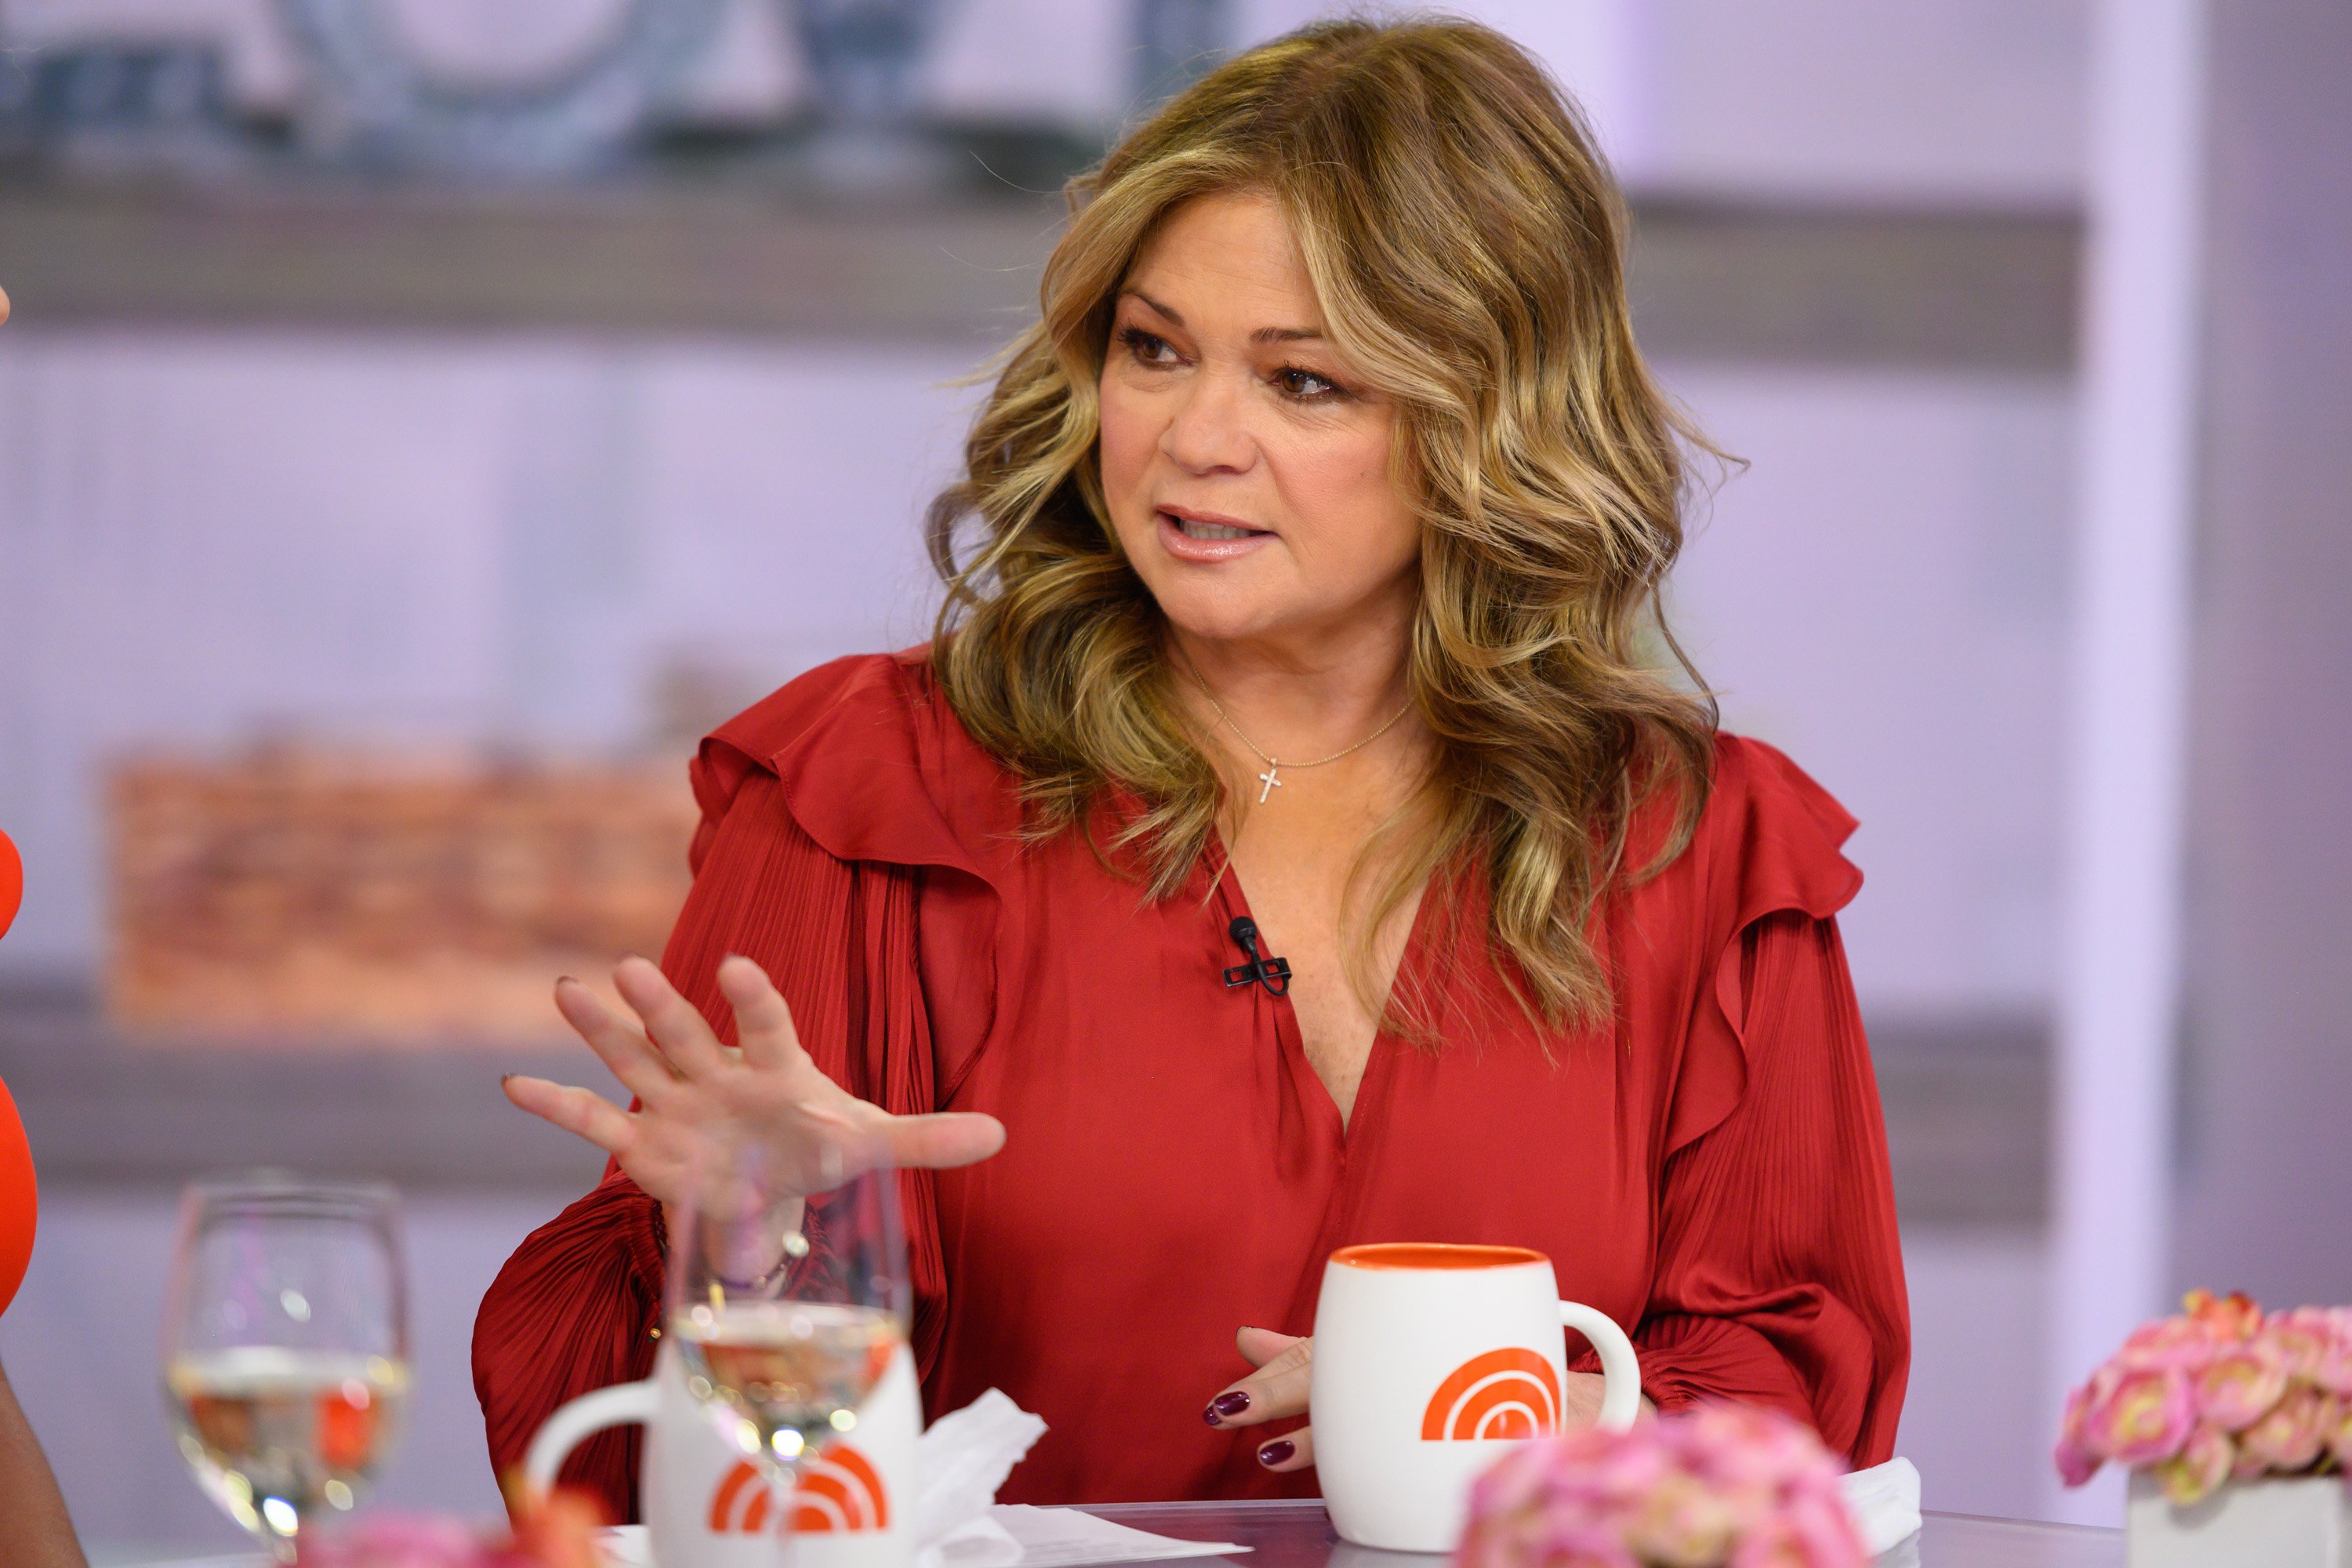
(577, 1306)
(1779, 1277)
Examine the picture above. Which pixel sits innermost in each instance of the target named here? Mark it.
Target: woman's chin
(1241, 624)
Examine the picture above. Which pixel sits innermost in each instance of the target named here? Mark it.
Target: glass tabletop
(1298, 1535)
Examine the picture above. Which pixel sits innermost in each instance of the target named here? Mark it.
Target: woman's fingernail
(1273, 1453)
(1230, 1403)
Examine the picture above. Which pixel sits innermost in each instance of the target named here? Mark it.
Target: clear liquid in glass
(790, 1373)
(279, 1435)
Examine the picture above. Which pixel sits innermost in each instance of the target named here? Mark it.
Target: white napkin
(960, 1461)
(626, 1546)
(964, 1458)
(980, 1542)
(1884, 1502)
(1066, 1538)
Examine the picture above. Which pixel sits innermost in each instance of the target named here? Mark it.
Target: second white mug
(1429, 1361)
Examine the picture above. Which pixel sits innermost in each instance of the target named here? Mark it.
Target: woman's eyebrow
(1263, 335)
(1136, 293)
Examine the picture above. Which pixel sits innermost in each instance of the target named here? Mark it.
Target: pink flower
(2145, 1416)
(1721, 1483)
(2238, 1388)
(1822, 1521)
(2075, 1459)
(2291, 1435)
(2187, 1343)
(1684, 1523)
(1806, 1535)
(1541, 1538)
(397, 1541)
(1591, 1546)
(2235, 1315)
(2201, 1466)
(2339, 1437)
(2333, 1371)
(1599, 1470)
(2299, 1341)
(1513, 1482)
(1744, 1448)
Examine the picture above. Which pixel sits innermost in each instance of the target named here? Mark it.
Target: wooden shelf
(1990, 290)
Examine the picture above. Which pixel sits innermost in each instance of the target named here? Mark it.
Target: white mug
(1430, 1361)
(705, 1506)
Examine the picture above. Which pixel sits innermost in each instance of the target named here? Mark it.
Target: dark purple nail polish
(1230, 1403)
(1273, 1453)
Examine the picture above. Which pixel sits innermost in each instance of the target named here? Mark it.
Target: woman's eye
(1147, 348)
(1305, 385)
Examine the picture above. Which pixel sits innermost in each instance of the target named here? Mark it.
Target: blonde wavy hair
(1465, 239)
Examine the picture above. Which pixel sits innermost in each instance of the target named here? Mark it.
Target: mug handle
(1621, 1374)
(615, 1406)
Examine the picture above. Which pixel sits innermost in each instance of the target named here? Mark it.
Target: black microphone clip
(1274, 974)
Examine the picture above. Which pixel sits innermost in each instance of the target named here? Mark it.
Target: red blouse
(1709, 1170)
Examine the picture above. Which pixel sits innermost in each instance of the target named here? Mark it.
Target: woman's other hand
(688, 1085)
(1277, 1391)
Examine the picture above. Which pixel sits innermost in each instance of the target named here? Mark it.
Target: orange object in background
(12, 882)
(19, 1199)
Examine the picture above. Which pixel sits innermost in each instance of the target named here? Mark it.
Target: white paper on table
(1006, 1535)
(975, 1543)
(1884, 1502)
(626, 1546)
(1066, 1538)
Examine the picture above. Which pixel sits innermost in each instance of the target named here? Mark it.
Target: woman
(1315, 533)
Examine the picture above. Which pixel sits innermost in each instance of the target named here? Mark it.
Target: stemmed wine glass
(787, 1291)
(285, 1346)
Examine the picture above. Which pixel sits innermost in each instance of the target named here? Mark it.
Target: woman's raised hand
(688, 1085)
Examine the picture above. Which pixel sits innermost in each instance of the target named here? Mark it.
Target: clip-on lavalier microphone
(1274, 974)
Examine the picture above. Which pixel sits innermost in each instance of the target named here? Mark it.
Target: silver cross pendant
(1267, 779)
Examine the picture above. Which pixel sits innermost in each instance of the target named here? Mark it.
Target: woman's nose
(1207, 432)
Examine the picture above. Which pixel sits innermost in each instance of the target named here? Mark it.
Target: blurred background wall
(320, 446)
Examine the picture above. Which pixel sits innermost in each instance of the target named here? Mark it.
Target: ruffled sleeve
(819, 819)
(1779, 1277)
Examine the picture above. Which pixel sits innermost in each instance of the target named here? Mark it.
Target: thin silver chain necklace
(1272, 777)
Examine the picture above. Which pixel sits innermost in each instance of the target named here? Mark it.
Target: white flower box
(2302, 1522)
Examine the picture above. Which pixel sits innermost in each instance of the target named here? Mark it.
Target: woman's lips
(1190, 546)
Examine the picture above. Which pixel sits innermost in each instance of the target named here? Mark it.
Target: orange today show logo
(1508, 1393)
(840, 1493)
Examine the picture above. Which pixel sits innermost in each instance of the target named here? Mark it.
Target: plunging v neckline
(1346, 1127)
